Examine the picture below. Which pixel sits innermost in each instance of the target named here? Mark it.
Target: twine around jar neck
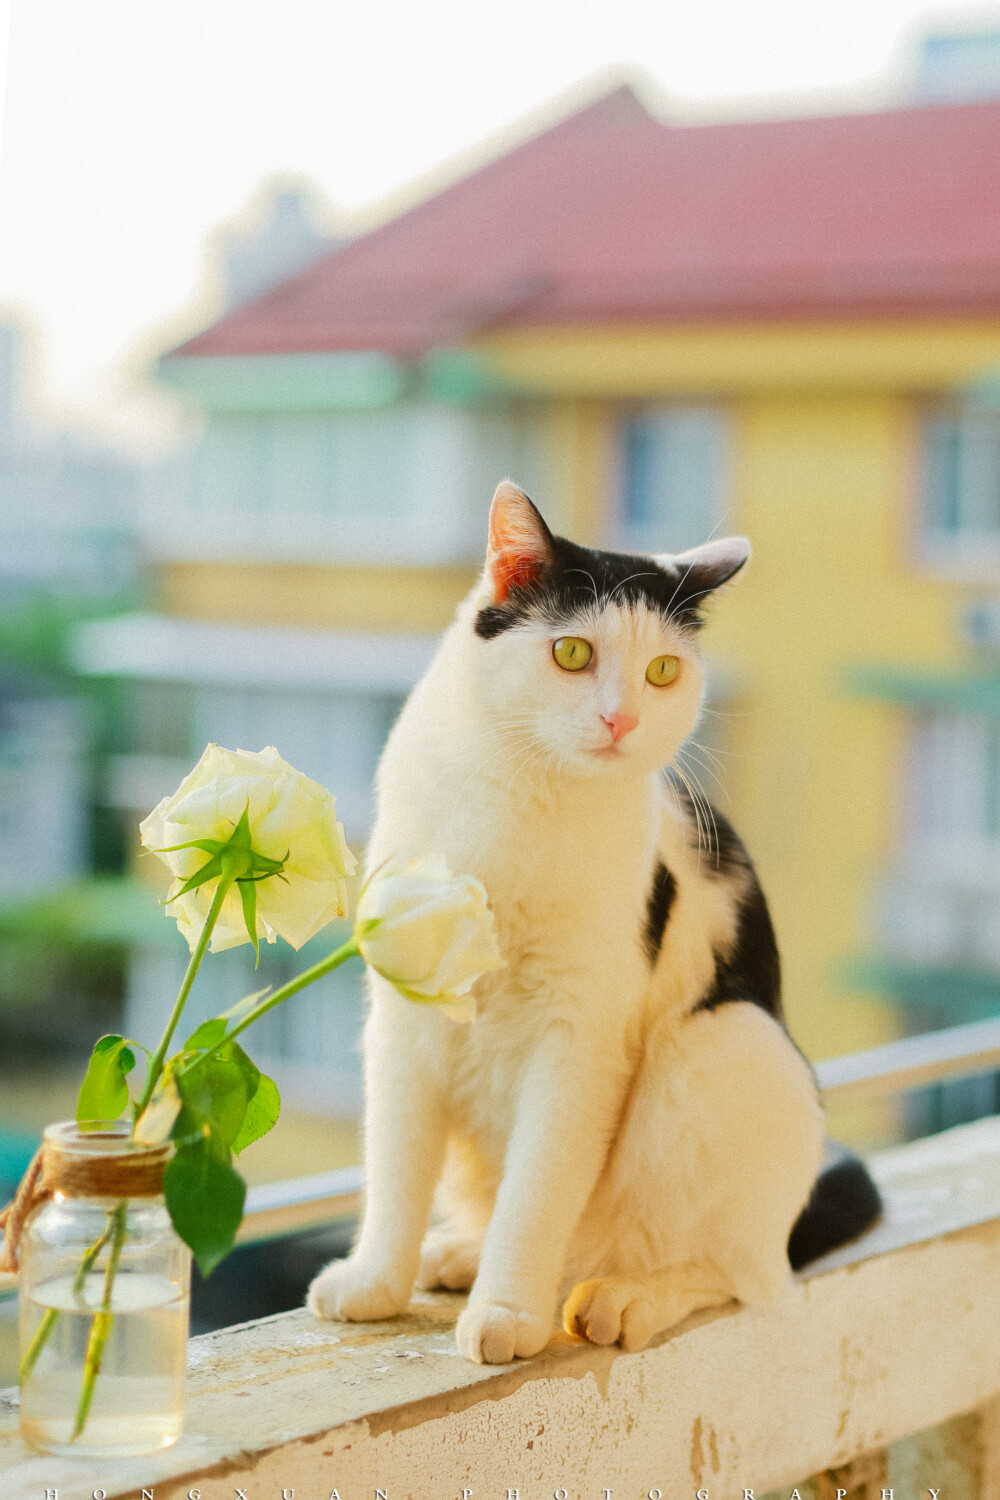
(68, 1168)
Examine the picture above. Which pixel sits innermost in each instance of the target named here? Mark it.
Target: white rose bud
(292, 821)
(434, 935)
(157, 1120)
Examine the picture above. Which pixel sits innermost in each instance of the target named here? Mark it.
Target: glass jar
(104, 1299)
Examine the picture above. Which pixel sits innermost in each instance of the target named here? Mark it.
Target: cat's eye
(662, 670)
(571, 653)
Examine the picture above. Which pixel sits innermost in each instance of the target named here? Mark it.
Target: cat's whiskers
(644, 574)
(591, 579)
(702, 811)
(510, 747)
(711, 763)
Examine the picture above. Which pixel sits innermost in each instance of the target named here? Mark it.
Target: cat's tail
(844, 1203)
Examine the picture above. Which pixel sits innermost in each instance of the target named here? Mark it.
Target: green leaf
(208, 1034)
(249, 1069)
(261, 1114)
(216, 1088)
(243, 1007)
(204, 1199)
(104, 1092)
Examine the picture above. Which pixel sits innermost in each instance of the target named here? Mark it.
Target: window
(672, 466)
(954, 811)
(407, 483)
(961, 499)
(940, 906)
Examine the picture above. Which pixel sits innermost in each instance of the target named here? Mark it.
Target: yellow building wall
(723, 359)
(320, 596)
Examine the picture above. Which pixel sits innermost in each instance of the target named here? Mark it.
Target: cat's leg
(564, 1118)
(449, 1259)
(630, 1310)
(405, 1136)
(466, 1194)
(714, 1158)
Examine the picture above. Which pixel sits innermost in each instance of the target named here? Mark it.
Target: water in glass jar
(138, 1401)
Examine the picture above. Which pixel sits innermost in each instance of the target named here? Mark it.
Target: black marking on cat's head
(661, 896)
(540, 576)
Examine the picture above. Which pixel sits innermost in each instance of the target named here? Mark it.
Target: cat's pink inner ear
(520, 545)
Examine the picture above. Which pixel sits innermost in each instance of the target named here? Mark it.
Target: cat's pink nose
(619, 724)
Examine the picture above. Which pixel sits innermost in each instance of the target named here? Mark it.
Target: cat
(627, 1122)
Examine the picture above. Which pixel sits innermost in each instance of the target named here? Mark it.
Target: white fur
(586, 1132)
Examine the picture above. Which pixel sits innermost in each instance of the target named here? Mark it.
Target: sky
(131, 131)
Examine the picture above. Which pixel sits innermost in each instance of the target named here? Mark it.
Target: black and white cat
(627, 1123)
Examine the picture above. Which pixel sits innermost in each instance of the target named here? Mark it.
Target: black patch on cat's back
(752, 969)
(658, 904)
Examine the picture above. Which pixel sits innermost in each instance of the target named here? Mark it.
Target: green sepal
(242, 860)
(210, 871)
(210, 846)
(261, 1114)
(205, 1197)
(248, 895)
(104, 1093)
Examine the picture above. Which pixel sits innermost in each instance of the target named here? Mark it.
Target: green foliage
(226, 1104)
(34, 629)
(209, 1034)
(215, 1089)
(104, 1092)
(261, 1114)
(204, 1198)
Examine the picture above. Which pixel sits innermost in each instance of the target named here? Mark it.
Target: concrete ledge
(891, 1336)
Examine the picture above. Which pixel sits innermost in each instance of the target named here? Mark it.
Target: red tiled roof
(613, 215)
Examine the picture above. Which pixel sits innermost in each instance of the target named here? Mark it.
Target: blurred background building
(784, 328)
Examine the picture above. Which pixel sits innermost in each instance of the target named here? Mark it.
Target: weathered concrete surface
(888, 1338)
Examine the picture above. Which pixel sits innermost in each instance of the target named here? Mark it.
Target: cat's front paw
(494, 1335)
(448, 1260)
(349, 1292)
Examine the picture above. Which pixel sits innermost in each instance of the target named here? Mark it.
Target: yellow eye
(571, 653)
(662, 670)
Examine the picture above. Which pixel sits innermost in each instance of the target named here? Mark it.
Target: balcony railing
(880, 1371)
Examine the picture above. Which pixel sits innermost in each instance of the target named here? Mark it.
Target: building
(783, 328)
(68, 513)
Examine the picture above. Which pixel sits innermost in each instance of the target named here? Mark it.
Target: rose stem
(100, 1326)
(47, 1324)
(34, 1349)
(156, 1062)
(325, 966)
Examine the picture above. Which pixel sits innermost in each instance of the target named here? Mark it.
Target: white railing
(297, 1204)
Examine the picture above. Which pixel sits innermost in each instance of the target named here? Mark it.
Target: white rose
(434, 935)
(292, 819)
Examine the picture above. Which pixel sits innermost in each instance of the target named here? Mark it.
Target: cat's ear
(520, 545)
(701, 570)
